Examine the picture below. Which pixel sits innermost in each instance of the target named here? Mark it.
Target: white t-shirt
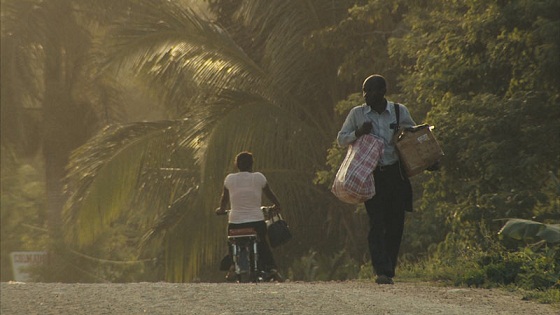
(245, 196)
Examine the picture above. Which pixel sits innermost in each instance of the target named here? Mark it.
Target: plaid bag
(354, 180)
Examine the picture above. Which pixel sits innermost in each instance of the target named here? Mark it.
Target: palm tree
(53, 95)
(253, 88)
(49, 87)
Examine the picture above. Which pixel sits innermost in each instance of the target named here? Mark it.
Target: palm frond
(287, 150)
(284, 27)
(168, 219)
(105, 174)
(173, 45)
(278, 109)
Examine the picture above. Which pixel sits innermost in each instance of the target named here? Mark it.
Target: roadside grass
(470, 274)
(551, 296)
(533, 275)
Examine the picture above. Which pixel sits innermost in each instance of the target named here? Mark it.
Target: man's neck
(379, 107)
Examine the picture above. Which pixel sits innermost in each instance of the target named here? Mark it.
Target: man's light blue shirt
(381, 127)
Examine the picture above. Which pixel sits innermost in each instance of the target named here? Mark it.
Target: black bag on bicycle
(278, 230)
(226, 263)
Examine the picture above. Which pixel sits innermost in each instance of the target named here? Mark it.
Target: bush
(320, 267)
(532, 267)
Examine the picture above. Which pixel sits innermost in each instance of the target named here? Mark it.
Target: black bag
(278, 230)
(226, 263)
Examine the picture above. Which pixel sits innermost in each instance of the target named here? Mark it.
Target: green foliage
(320, 267)
(540, 270)
(485, 73)
(551, 296)
(53, 98)
(305, 269)
(21, 208)
(113, 258)
(529, 268)
(366, 272)
(359, 41)
(531, 231)
(472, 277)
(534, 267)
(223, 89)
(493, 100)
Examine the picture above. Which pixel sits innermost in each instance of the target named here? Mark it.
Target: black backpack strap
(397, 112)
(403, 173)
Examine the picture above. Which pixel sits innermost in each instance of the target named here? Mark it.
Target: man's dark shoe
(383, 279)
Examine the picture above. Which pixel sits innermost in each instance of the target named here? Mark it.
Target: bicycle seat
(242, 232)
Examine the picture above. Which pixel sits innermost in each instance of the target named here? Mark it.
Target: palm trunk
(54, 165)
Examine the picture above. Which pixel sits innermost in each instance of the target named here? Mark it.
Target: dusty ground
(352, 297)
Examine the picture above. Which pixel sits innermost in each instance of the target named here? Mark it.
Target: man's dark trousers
(386, 211)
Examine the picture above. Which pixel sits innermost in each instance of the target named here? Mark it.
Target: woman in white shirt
(243, 190)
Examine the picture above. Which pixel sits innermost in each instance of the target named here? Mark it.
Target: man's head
(244, 161)
(374, 89)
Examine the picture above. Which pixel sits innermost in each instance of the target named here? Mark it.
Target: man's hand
(364, 129)
(220, 211)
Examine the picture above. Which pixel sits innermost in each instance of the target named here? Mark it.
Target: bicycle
(244, 251)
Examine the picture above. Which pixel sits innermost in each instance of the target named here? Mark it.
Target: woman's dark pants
(266, 260)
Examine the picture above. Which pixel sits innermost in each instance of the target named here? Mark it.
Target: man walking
(386, 210)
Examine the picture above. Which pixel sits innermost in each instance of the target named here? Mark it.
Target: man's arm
(347, 134)
(350, 130)
(406, 118)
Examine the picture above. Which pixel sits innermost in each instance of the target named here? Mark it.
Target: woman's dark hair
(244, 161)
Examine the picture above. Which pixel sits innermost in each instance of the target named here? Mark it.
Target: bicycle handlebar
(265, 209)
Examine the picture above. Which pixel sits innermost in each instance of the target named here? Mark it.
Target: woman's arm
(224, 202)
(271, 196)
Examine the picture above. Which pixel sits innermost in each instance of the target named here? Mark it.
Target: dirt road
(351, 297)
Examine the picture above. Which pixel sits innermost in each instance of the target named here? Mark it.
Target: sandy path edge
(348, 297)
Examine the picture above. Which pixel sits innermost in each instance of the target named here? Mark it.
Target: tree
(23, 196)
(269, 96)
(488, 71)
(363, 37)
(484, 74)
(53, 98)
(359, 41)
